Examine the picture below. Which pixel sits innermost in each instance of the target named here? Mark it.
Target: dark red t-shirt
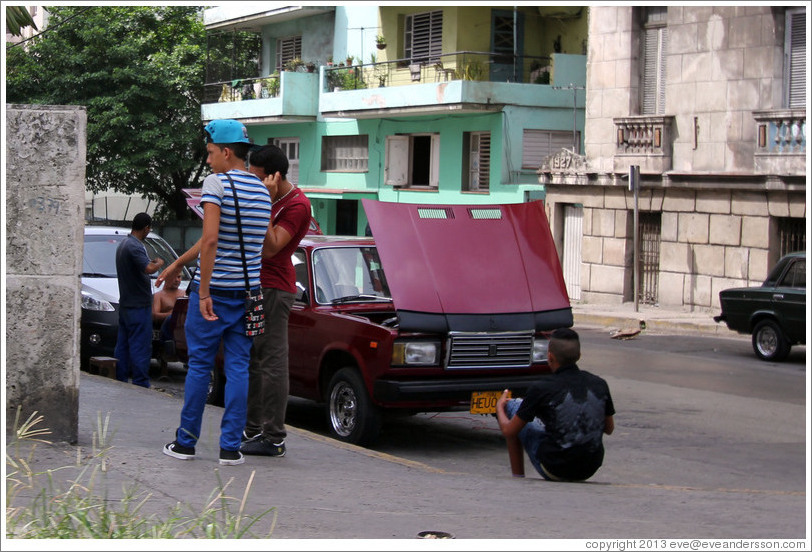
(292, 213)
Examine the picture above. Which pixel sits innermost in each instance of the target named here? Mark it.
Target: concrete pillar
(45, 188)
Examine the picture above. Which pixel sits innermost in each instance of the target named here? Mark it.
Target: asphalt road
(703, 406)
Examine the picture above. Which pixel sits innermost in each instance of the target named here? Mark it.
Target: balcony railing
(464, 65)
(781, 132)
(241, 89)
(644, 140)
(780, 142)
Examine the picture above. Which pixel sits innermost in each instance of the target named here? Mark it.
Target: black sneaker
(176, 450)
(263, 447)
(246, 439)
(231, 457)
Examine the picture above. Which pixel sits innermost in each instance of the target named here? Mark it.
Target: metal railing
(241, 89)
(463, 65)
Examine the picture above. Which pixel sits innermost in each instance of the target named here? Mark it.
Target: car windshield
(99, 259)
(346, 274)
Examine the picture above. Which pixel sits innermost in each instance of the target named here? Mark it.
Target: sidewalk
(649, 318)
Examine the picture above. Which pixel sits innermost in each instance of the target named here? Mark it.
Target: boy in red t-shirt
(268, 370)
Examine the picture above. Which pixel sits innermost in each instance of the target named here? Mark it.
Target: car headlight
(92, 302)
(415, 353)
(540, 349)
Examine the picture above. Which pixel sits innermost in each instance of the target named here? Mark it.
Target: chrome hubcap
(343, 409)
(767, 341)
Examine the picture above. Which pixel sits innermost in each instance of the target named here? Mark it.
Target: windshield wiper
(362, 297)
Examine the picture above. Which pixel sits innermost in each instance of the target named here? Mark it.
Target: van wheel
(769, 342)
(351, 416)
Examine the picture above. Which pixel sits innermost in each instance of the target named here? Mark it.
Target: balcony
(780, 142)
(644, 140)
(286, 97)
(461, 82)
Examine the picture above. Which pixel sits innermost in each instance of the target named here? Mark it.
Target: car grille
(490, 350)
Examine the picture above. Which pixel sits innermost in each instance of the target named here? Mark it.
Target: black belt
(220, 292)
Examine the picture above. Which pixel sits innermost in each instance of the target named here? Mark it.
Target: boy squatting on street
(561, 420)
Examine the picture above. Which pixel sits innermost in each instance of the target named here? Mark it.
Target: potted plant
(380, 42)
(349, 61)
(270, 85)
(293, 64)
(311, 67)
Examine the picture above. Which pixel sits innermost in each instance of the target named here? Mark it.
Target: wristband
(206, 297)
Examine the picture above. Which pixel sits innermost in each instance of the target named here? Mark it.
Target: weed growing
(39, 506)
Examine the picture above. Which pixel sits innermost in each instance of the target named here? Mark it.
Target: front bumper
(394, 392)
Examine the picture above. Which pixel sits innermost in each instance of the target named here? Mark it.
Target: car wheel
(217, 387)
(769, 342)
(351, 416)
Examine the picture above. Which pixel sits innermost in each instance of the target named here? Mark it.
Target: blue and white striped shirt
(255, 215)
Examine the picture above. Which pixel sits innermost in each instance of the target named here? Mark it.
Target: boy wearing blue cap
(217, 295)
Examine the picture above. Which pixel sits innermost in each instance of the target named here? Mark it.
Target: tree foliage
(18, 18)
(139, 71)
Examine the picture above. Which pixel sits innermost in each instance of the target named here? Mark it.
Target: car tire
(351, 416)
(217, 387)
(769, 342)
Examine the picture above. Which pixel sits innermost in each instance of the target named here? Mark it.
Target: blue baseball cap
(226, 131)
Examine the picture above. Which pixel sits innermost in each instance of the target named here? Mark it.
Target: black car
(99, 322)
(774, 312)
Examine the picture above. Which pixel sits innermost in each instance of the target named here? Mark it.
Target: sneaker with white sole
(263, 447)
(176, 450)
(231, 457)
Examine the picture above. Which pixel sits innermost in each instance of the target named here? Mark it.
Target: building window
(413, 160)
(653, 70)
(795, 58)
(287, 48)
(540, 144)
(476, 169)
(345, 153)
(423, 38)
(291, 148)
(791, 235)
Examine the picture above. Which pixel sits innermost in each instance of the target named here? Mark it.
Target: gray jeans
(268, 382)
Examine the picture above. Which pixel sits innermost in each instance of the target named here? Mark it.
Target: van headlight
(95, 303)
(415, 353)
(540, 345)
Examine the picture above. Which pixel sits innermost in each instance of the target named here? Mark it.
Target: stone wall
(711, 239)
(45, 186)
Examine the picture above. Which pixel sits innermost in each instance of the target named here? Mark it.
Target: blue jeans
(531, 436)
(203, 339)
(134, 344)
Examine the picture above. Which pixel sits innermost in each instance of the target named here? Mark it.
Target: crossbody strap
(239, 234)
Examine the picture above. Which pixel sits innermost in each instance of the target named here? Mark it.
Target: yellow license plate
(484, 402)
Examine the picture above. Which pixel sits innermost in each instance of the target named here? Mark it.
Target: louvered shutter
(539, 144)
(424, 36)
(654, 71)
(795, 50)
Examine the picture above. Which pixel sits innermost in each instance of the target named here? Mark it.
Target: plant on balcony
(380, 42)
(270, 85)
(472, 70)
(378, 71)
(293, 64)
(311, 67)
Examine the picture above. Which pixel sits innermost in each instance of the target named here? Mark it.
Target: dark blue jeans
(203, 340)
(531, 436)
(134, 344)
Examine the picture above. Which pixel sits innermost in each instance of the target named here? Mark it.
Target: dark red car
(446, 307)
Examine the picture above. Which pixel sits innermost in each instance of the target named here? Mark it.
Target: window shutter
(795, 52)
(650, 73)
(480, 160)
(434, 176)
(424, 36)
(396, 168)
(539, 144)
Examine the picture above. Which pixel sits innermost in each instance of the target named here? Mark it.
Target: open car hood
(470, 268)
